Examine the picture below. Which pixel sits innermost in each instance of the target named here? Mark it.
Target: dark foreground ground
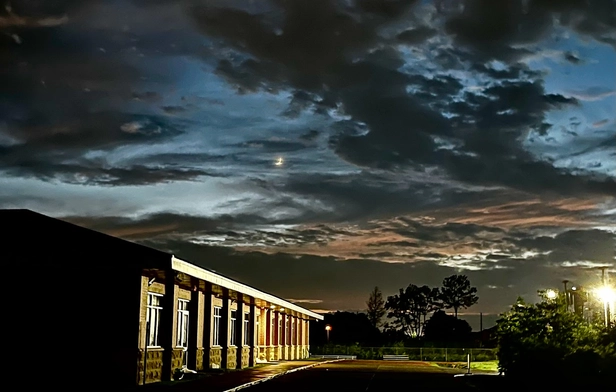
(388, 376)
(364, 376)
(338, 376)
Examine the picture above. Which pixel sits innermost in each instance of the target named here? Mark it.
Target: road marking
(249, 384)
(369, 381)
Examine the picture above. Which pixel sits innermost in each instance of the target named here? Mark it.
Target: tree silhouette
(410, 308)
(376, 307)
(347, 328)
(442, 327)
(457, 293)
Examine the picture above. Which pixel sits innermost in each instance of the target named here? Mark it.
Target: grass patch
(486, 366)
(491, 366)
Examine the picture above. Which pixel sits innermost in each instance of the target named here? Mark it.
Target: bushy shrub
(547, 342)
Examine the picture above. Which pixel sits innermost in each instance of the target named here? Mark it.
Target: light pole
(566, 293)
(327, 329)
(607, 295)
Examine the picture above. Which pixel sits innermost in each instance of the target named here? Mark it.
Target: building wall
(76, 318)
(268, 341)
(84, 296)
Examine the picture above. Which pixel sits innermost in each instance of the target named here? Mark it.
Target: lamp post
(566, 293)
(327, 329)
(607, 295)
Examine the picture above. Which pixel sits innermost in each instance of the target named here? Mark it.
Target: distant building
(84, 307)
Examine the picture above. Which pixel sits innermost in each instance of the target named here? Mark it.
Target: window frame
(183, 315)
(216, 326)
(232, 327)
(246, 324)
(153, 330)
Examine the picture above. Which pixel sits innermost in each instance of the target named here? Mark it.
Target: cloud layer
(414, 139)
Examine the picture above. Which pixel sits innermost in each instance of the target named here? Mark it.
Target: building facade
(125, 314)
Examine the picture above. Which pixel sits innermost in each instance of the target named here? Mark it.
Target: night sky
(315, 149)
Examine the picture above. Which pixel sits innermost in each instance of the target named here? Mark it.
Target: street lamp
(607, 295)
(551, 294)
(327, 329)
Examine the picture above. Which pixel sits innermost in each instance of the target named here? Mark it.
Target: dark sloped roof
(45, 244)
(34, 234)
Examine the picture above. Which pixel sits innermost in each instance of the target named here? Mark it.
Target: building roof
(55, 235)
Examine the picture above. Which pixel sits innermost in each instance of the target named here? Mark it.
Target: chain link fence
(414, 353)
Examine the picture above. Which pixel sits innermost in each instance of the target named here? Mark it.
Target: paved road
(369, 376)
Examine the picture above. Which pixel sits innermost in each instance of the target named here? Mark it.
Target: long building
(85, 307)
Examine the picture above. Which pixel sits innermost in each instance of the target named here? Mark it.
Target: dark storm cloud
(416, 35)
(572, 58)
(537, 177)
(517, 71)
(574, 246)
(165, 224)
(173, 109)
(502, 113)
(65, 90)
(90, 174)
(500, 116)
(302, 101)
(273, 146)
(353, 197)
(341, 57)
(448, 231)
(310, 136)
(494, 28)
(405, 244)
(55, 150)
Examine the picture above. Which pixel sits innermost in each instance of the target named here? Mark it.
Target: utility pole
(603, 282)
(481, 321)
(566, 293)
(606, 304)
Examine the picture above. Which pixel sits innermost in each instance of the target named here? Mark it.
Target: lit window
(216, 326)
(182, 331)
(272, 329)
(260, 335)
(233, 327)
(246, 329)
(153, 319)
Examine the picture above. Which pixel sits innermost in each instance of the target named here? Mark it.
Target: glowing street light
(607, 295)
(551, 294)
(327, 329)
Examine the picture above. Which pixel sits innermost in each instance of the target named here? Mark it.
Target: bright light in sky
(279, 162)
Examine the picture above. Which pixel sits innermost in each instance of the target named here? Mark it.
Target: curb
(249, 384)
